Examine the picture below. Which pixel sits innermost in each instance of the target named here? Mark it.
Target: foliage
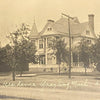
(84, 52)
(60, 50)
(22, 48)
(98, 67)
(4, 66)
(95, 52)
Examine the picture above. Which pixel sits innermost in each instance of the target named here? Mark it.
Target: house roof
(61, 27)
(34, 32)
(75, 28)
(79, 28)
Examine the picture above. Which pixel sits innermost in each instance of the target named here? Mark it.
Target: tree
(25, 54)
(95, 52)
(4, 66)
(98, 66)
(22, 49)
(60, 50)
(84, 53)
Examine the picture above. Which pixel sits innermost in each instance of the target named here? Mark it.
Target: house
(60, 28)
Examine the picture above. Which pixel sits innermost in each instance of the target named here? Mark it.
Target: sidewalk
(13, 93)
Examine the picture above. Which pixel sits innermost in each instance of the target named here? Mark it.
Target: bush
(4, 68)
(51, 69)
(98, 67)
(22, 66)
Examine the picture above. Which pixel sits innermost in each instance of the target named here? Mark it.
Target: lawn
(49, 82)
(78, 81)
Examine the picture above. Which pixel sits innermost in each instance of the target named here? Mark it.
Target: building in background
(59, 28)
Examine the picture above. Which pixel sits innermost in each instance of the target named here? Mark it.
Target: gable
(88, 32)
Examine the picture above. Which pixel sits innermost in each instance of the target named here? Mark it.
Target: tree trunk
(21, 72)
(59, 69)
(85, 70)
(13, 75)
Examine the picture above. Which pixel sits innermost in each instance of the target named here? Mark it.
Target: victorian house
(60, 28)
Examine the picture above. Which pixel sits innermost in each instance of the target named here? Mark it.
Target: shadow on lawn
(61, 74)
(37, 74)
(13, 97)
(97, 78)
(54, 74)
(5, 73)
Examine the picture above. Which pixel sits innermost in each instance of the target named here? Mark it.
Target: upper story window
(89, 41)
(49, 43)
(41, 44)
(87, 32)
(49, 29)
(33, 41)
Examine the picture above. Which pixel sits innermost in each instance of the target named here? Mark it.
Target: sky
(15, 12)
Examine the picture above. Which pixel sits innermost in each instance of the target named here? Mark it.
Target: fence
(55, 68)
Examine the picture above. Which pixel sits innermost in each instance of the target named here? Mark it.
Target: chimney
(91, 20)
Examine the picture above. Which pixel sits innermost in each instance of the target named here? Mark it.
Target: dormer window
(87, 32)
(49, 28)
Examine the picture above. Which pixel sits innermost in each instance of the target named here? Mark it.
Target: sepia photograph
(49, 50)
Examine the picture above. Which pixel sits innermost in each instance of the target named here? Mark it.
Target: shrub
(98, 67)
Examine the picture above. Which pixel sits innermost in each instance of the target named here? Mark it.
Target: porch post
(38, 44)
(37, 51)
(71, 52)
(46, 50)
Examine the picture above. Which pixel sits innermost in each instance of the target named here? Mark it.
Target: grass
(79, 81)
(48, 84)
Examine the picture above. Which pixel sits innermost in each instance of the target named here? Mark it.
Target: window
(49, 42)
(89, 41)
(87, 32)
(33, 41)
(49, 28)
(41, 43)
(42, 59)
(49, 58)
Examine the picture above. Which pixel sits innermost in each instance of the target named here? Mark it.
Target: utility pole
(70, 48)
